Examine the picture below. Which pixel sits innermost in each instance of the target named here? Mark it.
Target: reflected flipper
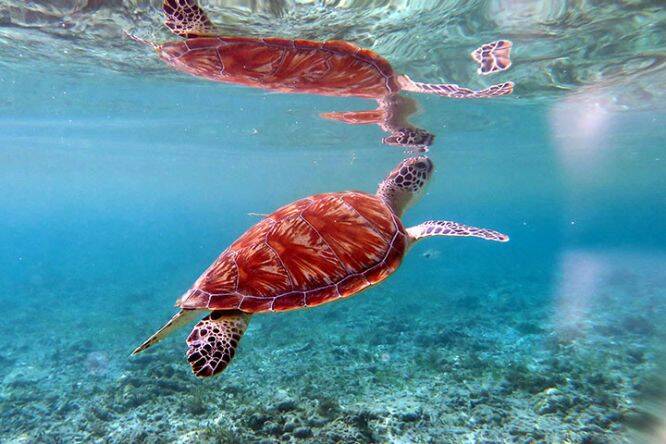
(454, 91)
(493, 57)
(356, 117)
(449, 228)
(186, 18)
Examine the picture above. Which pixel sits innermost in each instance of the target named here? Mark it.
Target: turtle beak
(430, 166)
(424, 164)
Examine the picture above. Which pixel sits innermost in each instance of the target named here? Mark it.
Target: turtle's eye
(424, 165)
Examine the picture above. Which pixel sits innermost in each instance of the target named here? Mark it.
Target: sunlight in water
(580, 124)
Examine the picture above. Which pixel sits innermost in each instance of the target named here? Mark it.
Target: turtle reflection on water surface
(332, 68)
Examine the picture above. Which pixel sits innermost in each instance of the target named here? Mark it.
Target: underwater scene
(456, 214)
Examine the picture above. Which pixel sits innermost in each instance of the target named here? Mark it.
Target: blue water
(117, 189)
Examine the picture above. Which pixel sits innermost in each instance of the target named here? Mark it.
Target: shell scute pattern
(342, 235)
(260, 272)
(353, 284)
(307, 253)
(289, 301)
(204, 62)
(253, 305)
(256, 231)
(221, 277)
(319, 296)
(196, 298)
(341, 46)
(333, 67)
(223, 301)
(204, 43)
(373, 211)
(309, 259)
(304, 44)
(256, 61)
(292, 209)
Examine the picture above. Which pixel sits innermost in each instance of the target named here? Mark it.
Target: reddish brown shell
(335, 68)
(315, 250)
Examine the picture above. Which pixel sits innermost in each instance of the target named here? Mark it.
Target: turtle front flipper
(454, 91)
(449, 228)
(493, 57)
(213, 341)
(186, 19)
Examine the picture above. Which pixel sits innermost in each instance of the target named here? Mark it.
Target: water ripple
(559, 46)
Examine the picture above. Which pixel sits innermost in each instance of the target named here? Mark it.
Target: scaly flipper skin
(449, 228)
(454, 91)
(493, 57)
(375, 116)
(213, 341)
(186, 19)
(178, 320)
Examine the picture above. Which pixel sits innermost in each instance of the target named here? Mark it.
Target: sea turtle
(334, 68)
(315, 250)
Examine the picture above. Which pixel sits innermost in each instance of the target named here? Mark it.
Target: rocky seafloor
(481, 362)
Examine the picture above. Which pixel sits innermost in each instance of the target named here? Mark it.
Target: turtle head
(413, 138)
(406, 183)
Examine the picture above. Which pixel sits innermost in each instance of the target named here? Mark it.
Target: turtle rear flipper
(356, 117)
(186, 19)
(213, 341)
(178, 320)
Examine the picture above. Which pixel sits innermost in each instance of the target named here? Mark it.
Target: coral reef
(358, 371)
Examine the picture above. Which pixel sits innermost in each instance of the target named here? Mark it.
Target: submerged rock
(302, 432)
(285, 405)
(272, 428)
(411, 416)
(290, 426)
(552, 400)
(256, 421)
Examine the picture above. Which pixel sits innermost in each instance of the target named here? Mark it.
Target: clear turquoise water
(118, 187)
